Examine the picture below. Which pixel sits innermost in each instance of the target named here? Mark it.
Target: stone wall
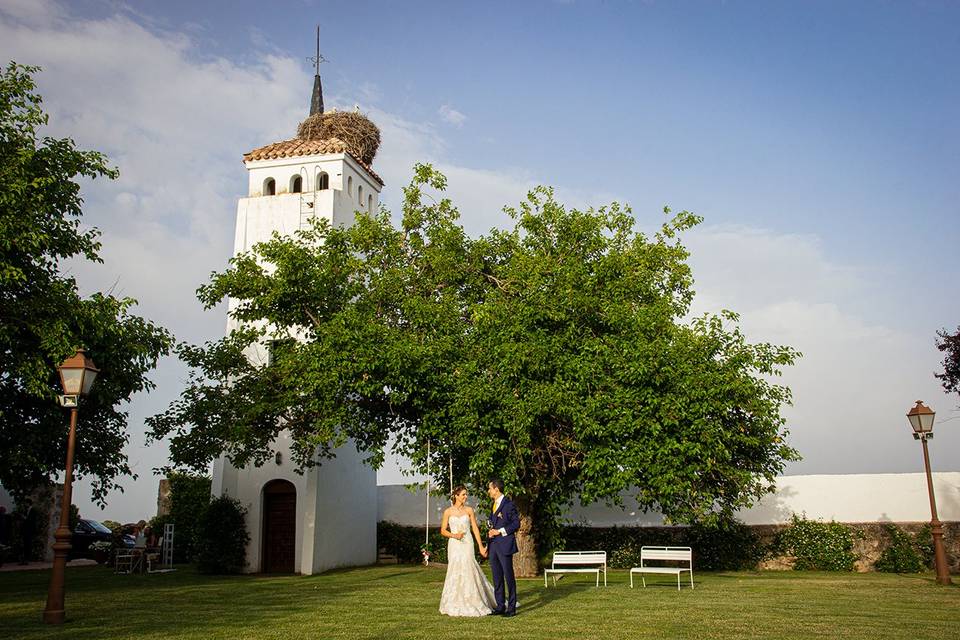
(868, 545)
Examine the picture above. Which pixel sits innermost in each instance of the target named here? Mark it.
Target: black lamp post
(921, 419)
(77, 374)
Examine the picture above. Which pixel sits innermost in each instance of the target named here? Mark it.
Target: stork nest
(357, 132)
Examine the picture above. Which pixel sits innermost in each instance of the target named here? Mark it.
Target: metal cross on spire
(316, 60)
(316, 100)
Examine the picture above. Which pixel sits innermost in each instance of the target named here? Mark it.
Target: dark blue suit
(501, 549)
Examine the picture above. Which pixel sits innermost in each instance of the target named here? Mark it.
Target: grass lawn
(401, 602)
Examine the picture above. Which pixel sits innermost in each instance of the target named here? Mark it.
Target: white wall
(338, 166)
(341, 509)
(246, 485)
(880, 497)
(336, 509)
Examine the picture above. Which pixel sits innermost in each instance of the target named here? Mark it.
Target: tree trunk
(525, 561)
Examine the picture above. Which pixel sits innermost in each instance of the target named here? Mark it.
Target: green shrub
(221, 538)
(728, 545)
(405, 542)
(189, 498)
(924, 541)
(817, 545)
(903, 555)
(622, 544)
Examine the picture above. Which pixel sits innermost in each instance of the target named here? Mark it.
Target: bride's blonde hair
(456, 490)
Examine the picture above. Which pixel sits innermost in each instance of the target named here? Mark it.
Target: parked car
(86, 533)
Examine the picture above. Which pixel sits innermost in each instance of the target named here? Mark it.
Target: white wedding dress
(466, 590)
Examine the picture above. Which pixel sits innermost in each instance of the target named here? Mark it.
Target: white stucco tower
(326, 517)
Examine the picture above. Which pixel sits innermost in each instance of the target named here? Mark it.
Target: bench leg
(604, 575)
(678, 581)
(691, 578)
(544, 578)
(631, 579)
(643, 579)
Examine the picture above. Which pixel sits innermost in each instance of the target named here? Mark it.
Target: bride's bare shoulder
(469, 509)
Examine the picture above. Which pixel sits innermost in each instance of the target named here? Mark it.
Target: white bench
(681, 554)
(577, 562)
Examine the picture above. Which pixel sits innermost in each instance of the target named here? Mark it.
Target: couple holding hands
(466, 590)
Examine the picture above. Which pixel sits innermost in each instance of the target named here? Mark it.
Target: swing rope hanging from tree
(425, 549)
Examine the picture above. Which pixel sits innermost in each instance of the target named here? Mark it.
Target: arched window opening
(360, 196)
(296, 184)
(369, 203)
(269, 187)
(323, 181)
(350, 186)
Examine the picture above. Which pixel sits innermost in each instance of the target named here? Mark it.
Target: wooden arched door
(279, 527)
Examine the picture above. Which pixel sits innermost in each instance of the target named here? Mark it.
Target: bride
(466, 590)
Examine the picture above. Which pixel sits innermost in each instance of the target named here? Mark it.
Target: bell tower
(325, 517)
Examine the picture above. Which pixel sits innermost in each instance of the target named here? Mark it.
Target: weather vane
(319, 58)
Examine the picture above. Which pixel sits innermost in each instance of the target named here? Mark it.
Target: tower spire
(316, 100)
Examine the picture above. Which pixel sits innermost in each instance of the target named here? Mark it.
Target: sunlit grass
(401, 602)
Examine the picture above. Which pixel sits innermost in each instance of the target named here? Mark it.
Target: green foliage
(727, 545)
(189, 502)
(30, 522)
(555, 354)
(730, 546)
(42, 316)
(924, 541)
(116, 528)
(903, 554)
(622, 544)
(74, 518)
(817, 545)
(722, 546)
(405, 542)
(222, 537)
(113, 525)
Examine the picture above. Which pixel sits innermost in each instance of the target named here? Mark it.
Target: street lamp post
(921, 419)
(76, 377)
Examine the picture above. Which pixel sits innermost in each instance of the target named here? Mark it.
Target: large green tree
(949, 344)
(42, 316)
(556, 354)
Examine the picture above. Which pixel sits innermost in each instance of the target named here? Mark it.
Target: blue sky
(819, 140)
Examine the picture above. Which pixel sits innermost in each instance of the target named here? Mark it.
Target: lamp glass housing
(72, 381)
(77, 374)
(921, 418)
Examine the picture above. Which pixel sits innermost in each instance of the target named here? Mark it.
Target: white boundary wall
(877, 497)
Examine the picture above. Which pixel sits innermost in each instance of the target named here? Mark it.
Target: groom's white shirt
(496, 505)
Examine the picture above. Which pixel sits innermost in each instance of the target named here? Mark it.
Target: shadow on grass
(544, 598)
(147, 605)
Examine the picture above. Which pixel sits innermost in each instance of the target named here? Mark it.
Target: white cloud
(857, 378)
(32, 12)
(451, 116)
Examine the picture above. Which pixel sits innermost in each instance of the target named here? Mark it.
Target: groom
(503, 524)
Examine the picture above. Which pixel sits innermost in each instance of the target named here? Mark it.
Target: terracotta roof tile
(300, 147)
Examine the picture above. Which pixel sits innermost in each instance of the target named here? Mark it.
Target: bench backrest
(579, 557)
(682, 554)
